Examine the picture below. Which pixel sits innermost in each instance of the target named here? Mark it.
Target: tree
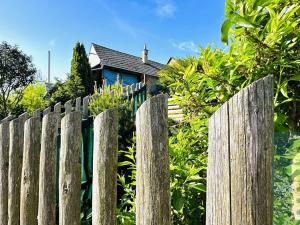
(68, 90)
(16, 71)
(81, 68)
(79, 81)
(34, 97)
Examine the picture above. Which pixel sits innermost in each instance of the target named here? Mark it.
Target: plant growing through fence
(114, 97)
(264, 39)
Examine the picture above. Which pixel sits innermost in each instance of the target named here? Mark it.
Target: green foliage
(110, 97)
(16, 71)
(64, 91)
(34, 97)
(80, 68)
(79, 81)
(127, 181)
(264, 39)
(286, 149)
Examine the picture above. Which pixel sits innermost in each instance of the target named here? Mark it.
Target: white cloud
(52, 42)
(186, 46)
(165, 8)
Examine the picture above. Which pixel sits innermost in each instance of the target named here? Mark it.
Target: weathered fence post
(16, 133)
(153, 176)
(85, 109)
(70, 169)
(68, 106)
(47, 177)
(4, 152)
(105, 160)
(239, 177)
(30, 172)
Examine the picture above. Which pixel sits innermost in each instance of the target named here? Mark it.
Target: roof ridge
(125, 53)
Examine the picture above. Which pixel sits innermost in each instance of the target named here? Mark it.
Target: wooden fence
(239, 179)
(28, 163)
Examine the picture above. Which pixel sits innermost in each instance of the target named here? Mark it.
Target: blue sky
(169, 27)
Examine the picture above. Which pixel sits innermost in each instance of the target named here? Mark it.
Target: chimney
(145, 54)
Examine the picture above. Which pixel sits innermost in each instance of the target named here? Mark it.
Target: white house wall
(94, 60)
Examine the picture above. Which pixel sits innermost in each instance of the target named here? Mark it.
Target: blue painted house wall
(126, 79)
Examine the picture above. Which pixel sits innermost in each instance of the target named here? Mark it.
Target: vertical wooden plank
(85, 107)
(153, 178)
(242, 179)
(243, 154)
(47, 110)
(78, 104)
(16, 133)
(7, 119)
(217, 189)
(30, 172)
(132, 88)
(47, 171)
(57, 107)
(4, 161)
(37, 113)
(136, 86)
(268, 145)
(210, 172)
(261, 156)
(70, 169)
(68, 107)
(105, 160)
(225, 166)
(14, 173)
(235, 163)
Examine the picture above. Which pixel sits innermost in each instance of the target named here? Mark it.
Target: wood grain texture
(57, 107)
(68, 107)
(47, 110)
(30, 172)
(37, 113)
(47, 171)
(70, 169)
(16, 130)
(85, 105)
(4, 161)
(239, 182)
(153, 176)
(78, 104)
(105, 160)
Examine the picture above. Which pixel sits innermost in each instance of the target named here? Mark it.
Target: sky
(170, 28)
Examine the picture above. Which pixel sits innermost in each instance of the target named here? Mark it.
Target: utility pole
(49, 81)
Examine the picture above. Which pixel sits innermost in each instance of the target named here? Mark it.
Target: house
(111, 65)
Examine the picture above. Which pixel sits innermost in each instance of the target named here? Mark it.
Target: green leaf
(198, 187)
(241, 21)
(177, 200)
(224, 30)
(125, 163)
(296, 144)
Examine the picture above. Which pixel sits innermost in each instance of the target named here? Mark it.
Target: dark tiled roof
(123, 61)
